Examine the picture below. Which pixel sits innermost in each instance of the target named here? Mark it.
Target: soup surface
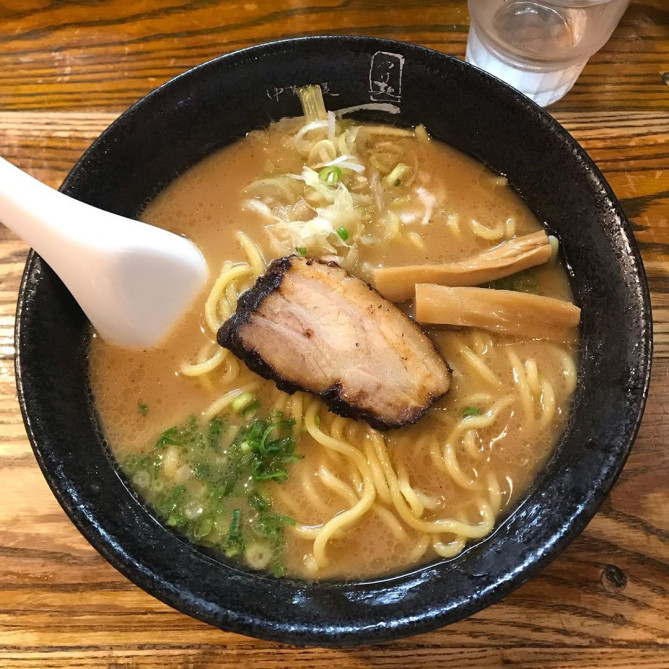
(277, 481)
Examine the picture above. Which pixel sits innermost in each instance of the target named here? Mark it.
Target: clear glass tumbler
(539, 46)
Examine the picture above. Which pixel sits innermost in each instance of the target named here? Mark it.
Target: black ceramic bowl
(217, 103)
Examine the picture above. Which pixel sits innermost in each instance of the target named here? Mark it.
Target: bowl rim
(432, 618)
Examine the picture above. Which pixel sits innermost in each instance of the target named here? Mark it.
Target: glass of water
(539, 46)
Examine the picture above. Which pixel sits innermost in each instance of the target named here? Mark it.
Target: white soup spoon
(133, 281)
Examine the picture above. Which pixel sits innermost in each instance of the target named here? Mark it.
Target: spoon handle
(131, 279)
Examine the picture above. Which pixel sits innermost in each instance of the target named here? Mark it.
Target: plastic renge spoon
(133, 281)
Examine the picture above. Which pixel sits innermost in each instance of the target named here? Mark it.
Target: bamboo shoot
(397, 283)
(506, 312)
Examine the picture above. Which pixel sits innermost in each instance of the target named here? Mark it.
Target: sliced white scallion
(346, 162)
(142, 479)
(258, 555)
(259, 207)
(314, 125)
(396, 175)
(393, 226)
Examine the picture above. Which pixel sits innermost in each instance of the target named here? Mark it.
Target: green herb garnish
(302, 250)
(143, 408)
(397, 182)
(267, 446)
(471, 411)
(220, 499)
(179, 434)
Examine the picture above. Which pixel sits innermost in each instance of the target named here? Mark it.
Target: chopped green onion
(343, 233)
(202, 527)
(235, 543)
(278, 570)
(234, 547)
(202, 470)
(141, 479)
(176, 519)
(168, 437)
(302, 250)
(143, 409)
(235, 521)
(258, 502)
(135, 462)
(398, 182)
(215, 429)
(286, 520)
(224, 469)
(277, 474)
(330, 175)
(471, 411)
(247, 411)
(269, 524)
(242, 401)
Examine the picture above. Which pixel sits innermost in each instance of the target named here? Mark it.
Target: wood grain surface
(67, 69)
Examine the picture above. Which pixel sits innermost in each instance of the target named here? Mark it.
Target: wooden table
(66, 71)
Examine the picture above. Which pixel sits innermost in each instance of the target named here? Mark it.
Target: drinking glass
(539, 46)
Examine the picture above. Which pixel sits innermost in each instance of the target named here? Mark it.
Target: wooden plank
(66, 56)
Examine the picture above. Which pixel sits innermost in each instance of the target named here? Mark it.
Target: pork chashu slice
(308, 325)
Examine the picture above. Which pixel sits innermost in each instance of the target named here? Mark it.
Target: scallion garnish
(143, 408)
(258, 502)
(251, 408)
(242, 402)
(330, 175)
(302, 250)
(236, 519)
(343, 233)
(214, 433)
(471, 411)
(215, 473)
(235, 543)
(398, 182)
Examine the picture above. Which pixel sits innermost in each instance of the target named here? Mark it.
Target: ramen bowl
(219, 102)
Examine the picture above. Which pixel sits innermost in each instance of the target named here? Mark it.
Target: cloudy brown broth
(141, 393)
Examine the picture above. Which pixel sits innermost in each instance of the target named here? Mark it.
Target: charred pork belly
(308, 325)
